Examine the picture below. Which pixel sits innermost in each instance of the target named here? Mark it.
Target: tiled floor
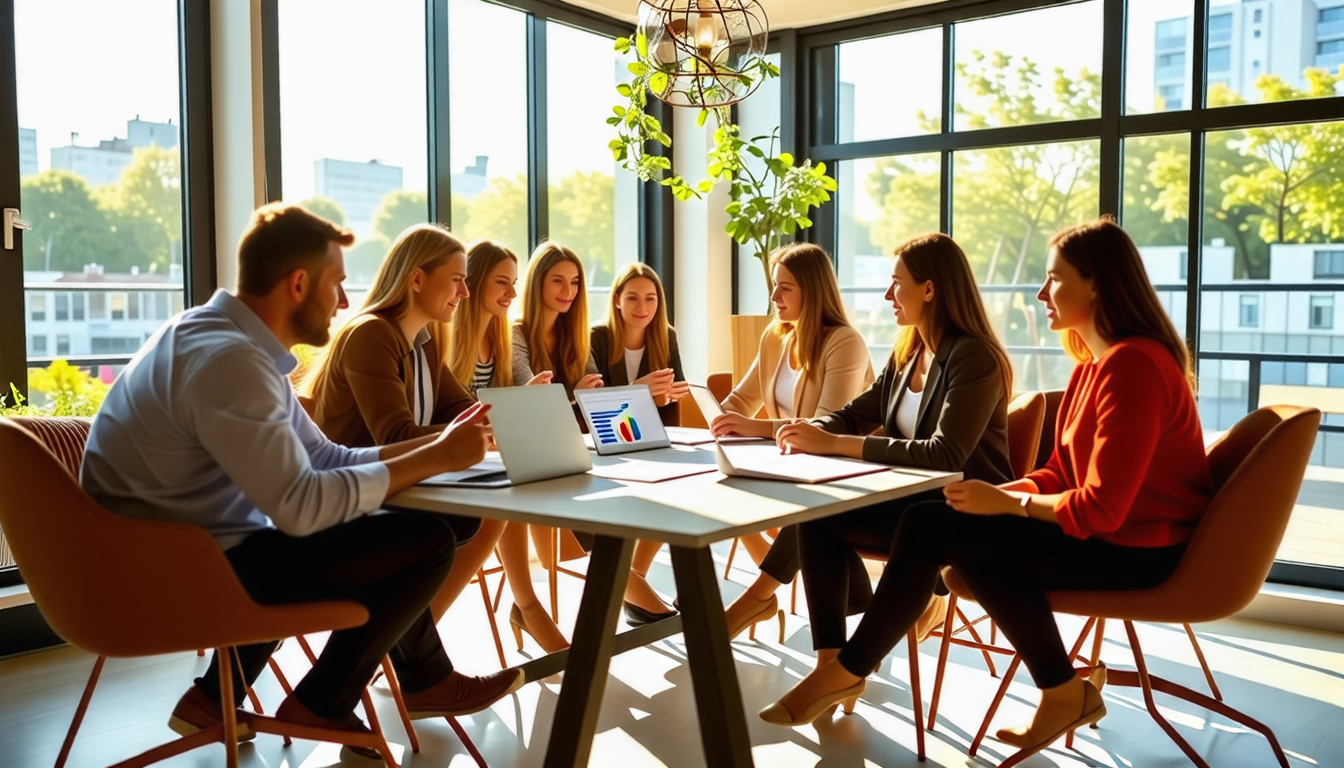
(1292, 679)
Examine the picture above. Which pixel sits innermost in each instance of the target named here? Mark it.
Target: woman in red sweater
(1113, 509)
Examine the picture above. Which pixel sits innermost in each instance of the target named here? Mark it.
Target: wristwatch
(1025, 502)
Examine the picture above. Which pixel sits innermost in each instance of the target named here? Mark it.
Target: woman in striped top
(480, 352)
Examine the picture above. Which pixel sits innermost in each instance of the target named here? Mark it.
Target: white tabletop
(690, 512)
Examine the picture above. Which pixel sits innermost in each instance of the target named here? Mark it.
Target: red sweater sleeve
(1129, 392)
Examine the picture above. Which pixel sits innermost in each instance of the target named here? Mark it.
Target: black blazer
(962, 425)
(615, 376)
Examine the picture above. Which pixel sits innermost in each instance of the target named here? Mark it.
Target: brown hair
(822, 310)
(656, 342)
(1126, 304)
(473, 323)
(572, 342)
(281, 238)
(956, 300)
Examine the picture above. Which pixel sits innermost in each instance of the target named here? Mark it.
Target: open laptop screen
(621, 419)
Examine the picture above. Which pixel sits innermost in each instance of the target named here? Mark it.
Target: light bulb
(706, 34)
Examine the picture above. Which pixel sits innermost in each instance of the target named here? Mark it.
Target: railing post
(1253, 384)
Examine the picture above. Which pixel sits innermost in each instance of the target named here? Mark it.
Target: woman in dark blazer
(637, 345)
(941, 403)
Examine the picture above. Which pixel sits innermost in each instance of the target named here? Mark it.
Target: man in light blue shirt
(203, 427)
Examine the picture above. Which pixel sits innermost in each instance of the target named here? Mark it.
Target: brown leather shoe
(457, 694)
(292, 711)
(196, 712)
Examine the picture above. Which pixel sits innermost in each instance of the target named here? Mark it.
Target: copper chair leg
(80, 710)
(943, 648)
(494, 627)
(994, 705)
(395, 685)
(1199, 654)
(225, 656)
(916, 699)
(731, 552)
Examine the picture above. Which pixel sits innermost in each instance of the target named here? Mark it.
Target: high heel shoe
(1030, 740)
(638, 617)
(518, 623)
(779, 714)
(762, 611)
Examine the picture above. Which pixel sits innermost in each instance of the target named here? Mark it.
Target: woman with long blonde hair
(552, 334)
(384, 377)
(1113, 509)
(810, 361)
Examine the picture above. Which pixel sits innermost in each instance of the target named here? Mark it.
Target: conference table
(688, 514)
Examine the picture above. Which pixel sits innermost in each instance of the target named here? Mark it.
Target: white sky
(353, 79)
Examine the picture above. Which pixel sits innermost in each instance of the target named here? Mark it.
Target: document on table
(489, 473)
(766, 462)
(653, 466)
(695, 436)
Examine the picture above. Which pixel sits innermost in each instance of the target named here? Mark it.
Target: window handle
(13, 222)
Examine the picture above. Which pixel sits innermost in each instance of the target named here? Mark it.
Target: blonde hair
(1127, 304)
(822, 311)
(956, 300)
(656, 344)
(473, 323)
(422, 246)
(572, 344)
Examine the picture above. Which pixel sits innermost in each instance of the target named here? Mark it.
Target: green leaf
(733, 208)
(701, 118)
(637, 67)
(663, 138)
(619, 110)
(786, 158)
(714, 169)
(624, 90)
(623, 44)
(642, 46)
(705, 186)
(658, 82)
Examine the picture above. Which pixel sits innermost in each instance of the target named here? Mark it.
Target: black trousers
(391, 563)
(784, 559)
(832, 569)
(1008, 563)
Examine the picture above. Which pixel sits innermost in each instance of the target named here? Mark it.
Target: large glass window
(1155, 210)
(875, 102)
(1005, 76)
(352, 120)
(100, 175)
(489, 134)
(592, 204)
(1006, 202)
(1264, 59)
(881, 203)
(759, 115)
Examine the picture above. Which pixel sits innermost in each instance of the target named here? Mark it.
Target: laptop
(621, 419)
(537, 436)
(709, 408)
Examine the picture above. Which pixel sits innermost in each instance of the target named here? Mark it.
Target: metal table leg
(590, 654)
(718, 698)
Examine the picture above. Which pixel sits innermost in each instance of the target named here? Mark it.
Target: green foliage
(69, 391)
(135, 222)
(399, 209)
(325, 207)
(771, 196)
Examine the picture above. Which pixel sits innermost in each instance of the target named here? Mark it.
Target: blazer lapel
(902, 386)
(934, 379)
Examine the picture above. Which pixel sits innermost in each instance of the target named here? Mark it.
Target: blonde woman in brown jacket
(810, 362)
(385, 376)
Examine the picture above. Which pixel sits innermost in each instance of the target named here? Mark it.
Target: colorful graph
(617, 426)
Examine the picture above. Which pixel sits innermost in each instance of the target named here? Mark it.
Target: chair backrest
(64, 436)
(1257, 469)
(720, 384)
(1053, 397)
(114, 585)
(1026, 413)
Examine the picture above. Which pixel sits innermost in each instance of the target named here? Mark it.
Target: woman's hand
(659, 383)
(591, 381)
(541, 378)
(678, 390)
(976, 497)
(804, 437)
(726, 424)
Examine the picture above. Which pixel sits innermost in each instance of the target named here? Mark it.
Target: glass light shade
(712, 52)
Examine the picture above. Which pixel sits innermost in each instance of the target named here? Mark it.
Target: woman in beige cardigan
(810, 362)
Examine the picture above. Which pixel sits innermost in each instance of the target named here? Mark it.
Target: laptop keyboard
(489, 477)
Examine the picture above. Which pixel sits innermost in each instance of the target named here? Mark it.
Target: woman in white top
(810, 362)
